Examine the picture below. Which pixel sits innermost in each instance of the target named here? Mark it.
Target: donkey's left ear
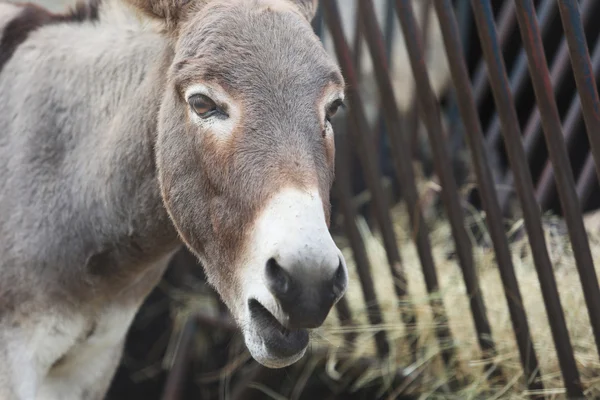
(167, 11)
(308, 8)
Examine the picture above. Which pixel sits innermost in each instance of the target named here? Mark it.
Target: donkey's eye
(333, 109)
(203, 105)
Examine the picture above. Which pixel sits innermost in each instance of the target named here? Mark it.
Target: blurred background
(448, 209)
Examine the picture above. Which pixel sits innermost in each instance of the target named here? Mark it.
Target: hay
(429, 368)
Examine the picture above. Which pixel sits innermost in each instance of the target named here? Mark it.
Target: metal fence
(504, 127)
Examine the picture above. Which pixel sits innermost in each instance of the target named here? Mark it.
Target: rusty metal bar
(429, 105)
(519, 75)
(533, 128)
(560, 159)
(389, 28)
(484, 20)
(345, 317)
(317, 23)
(413, 117)
(468, 110)
(587, 180)
(546, 189)
(506, 24)
(357, 46)
(404, 170)
(361, 259)
(584, 78)
(368, 157)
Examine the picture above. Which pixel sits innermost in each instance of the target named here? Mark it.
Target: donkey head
(245, 155)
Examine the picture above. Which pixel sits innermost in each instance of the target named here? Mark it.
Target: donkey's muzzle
(295, 274)
(306, 293)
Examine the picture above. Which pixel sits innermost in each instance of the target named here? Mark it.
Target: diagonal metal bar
(404, 170)
(560, 159)
(584, 76)
(519, 75)
(583, 71)
(533, 128)
(546, 189)
(429, 105)
(468, 110)
(484, 19)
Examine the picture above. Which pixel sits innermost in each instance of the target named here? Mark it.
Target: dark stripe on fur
(33, 17)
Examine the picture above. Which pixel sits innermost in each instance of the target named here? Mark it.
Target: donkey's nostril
(278, 279)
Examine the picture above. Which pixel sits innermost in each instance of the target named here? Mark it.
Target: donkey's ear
(167, 11)
(308, 8)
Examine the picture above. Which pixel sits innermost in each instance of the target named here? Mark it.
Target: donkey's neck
(128, 142)
(85, 99)
(122, 160)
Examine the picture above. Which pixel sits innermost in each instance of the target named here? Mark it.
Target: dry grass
(429, 368)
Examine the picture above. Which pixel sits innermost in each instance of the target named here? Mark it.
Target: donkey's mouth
(279, 341)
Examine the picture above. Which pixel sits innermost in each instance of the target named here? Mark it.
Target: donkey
(130, 128)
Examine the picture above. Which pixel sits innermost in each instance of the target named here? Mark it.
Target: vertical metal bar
(587, 180)
(484, 19)
(468, 110)
(464, 24)
(357, 44)
(560, 159)
(345, 317)
(361, 259)
(584, 78)
(414, 120)
(455, 124)
(430, 108)
(389, 47)
(506, 24)
(404, 170)
(367, 156)
(317, 23)
(389, 28)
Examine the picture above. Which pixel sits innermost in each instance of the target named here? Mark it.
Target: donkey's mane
(83, 10)
(33, 17)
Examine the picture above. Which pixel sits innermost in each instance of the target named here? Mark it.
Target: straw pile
(430, 374)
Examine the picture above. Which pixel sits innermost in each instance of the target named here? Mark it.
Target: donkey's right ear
(167, 11)
(308, 8)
